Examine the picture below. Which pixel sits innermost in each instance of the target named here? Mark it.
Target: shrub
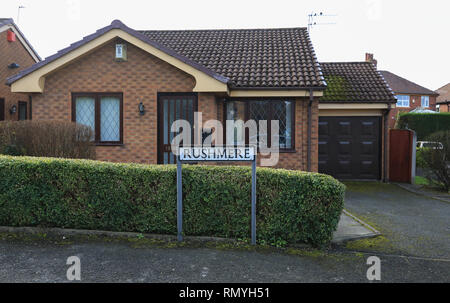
(437, 160)
(292, 206)
(419, 158)
(424, 124)
(63, 139)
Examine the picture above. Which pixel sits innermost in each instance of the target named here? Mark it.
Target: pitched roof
(355, 82)
(116, 24)
(402, 86)
(444, 94)
(5, 21)
(10, 21)
(250, 58)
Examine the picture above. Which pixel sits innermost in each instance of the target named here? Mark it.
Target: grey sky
(408, 38)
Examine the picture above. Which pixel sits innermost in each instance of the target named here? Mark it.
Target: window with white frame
(425, 101)
(402, 101)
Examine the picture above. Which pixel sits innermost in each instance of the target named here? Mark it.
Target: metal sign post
(225, 153)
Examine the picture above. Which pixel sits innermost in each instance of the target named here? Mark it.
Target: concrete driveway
(412, 224)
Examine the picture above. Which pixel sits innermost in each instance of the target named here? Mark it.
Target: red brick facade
(12, 52)
(414, 102)
(140, 78)
(444, 107)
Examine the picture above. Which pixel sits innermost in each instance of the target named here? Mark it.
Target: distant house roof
(355, 82)
(444, 94)
(245, 59)
(250, 58)
(9, 22)
(402, 86)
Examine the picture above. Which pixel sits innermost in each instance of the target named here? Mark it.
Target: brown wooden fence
(401, 155)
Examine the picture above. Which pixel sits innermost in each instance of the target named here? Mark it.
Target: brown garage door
(349, 147)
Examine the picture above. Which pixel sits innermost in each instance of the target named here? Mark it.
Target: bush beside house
(436, 161)
(42, 138)
(292, 206)
(424, 124)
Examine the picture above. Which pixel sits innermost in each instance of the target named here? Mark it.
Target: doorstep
(352, 228)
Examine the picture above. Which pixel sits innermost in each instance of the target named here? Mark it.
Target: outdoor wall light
(141, 108)
(13, 110)
(13, 65)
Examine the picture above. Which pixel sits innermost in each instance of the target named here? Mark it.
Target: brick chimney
(369, 58)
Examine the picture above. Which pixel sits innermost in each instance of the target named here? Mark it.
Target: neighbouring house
(443, 100)
(409, 96)
(16, 54)
(130, 85)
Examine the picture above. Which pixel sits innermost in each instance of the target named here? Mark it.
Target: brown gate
(401, 144)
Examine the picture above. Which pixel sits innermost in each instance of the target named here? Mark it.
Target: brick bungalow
(16, 54)
(129, 86)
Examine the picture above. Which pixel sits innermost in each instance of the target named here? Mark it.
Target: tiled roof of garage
(355, 82)
(250, 58)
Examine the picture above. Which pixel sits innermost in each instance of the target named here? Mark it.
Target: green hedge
(292, 206)
(424, 124)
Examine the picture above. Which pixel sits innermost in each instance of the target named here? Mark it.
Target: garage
(353, 122)
(350, 147)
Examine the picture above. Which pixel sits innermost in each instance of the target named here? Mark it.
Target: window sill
(285, 151)
(109, 144)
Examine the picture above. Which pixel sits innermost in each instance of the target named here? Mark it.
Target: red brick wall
(444, 108)
(414, 102)
(11, 52)
(140, 79)
(298, 158)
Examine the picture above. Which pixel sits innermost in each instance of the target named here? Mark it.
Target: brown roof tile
(444, 94)
(250, 58)
(355, 82)
(247, 58)
(403, 86)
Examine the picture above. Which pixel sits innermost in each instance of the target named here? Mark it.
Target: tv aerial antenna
(18, 12)
(314, 17)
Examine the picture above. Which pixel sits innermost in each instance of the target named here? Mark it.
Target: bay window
(102, 112)
(258, 110)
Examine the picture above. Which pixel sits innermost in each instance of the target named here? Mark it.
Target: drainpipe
(386, 142)
(311, 99)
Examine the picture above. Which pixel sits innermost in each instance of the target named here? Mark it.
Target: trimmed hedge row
(292, 206)
(424, 124)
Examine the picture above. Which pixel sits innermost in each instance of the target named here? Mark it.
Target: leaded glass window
(268, 110)
(102, 113)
